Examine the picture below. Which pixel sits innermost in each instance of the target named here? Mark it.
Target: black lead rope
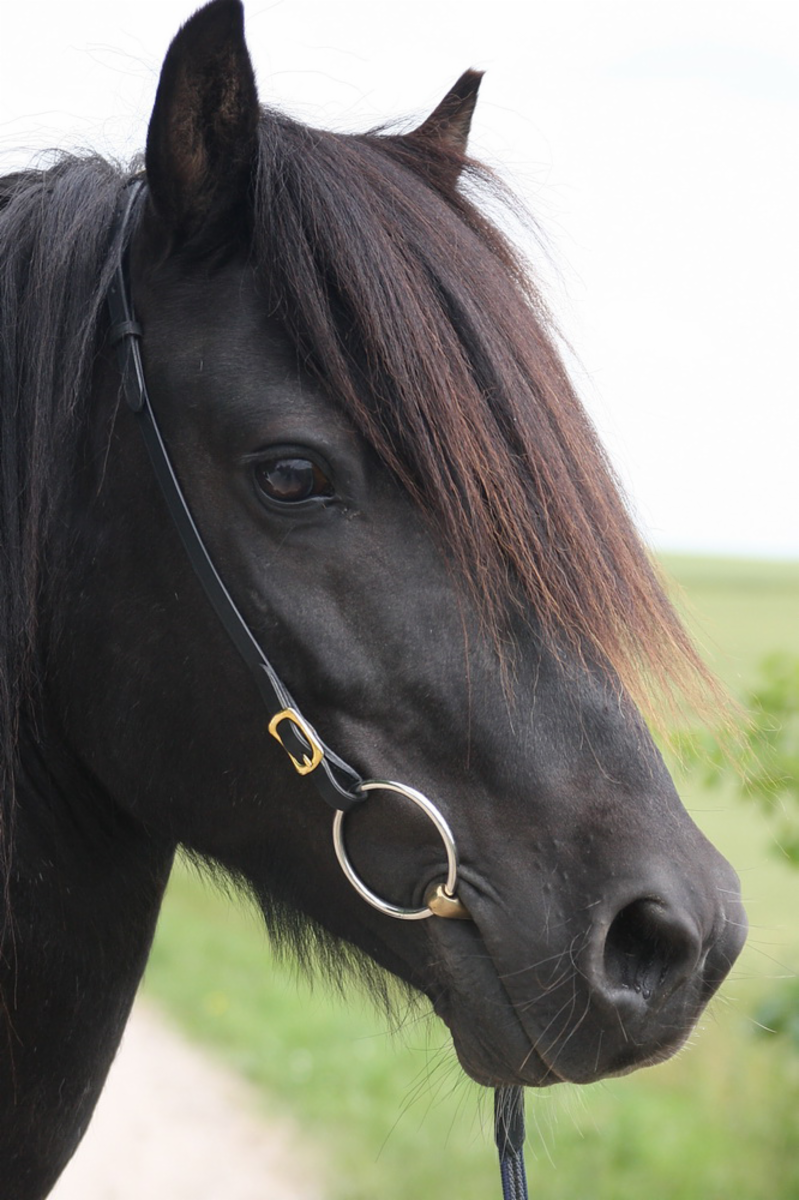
(509, 1136)
(337, 782)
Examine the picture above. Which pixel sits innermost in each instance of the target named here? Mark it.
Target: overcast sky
(657, 143)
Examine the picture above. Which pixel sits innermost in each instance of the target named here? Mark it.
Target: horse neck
(82, 897)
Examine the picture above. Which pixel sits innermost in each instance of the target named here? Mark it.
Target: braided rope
(509, 1136)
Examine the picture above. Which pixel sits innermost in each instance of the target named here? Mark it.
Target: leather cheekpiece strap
(335, 780)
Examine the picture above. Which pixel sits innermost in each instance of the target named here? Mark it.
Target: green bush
(764, 749)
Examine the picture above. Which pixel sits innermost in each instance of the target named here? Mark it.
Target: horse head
(374, 434)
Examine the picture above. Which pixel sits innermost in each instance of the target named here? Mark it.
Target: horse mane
(414, 312)
(55, 269)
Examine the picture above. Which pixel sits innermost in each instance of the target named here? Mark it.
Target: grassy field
(390, 1109)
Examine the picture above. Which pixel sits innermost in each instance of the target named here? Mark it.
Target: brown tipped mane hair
(418, 316)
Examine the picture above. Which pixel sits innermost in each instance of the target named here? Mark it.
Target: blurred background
(656, 144)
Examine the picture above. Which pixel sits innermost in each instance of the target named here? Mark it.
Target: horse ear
(448, 125)
(201, 142)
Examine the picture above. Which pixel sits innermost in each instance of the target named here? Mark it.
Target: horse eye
(289, 480)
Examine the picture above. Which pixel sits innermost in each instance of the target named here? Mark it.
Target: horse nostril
(649, 949)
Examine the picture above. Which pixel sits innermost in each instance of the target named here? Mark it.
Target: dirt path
(175, 1125)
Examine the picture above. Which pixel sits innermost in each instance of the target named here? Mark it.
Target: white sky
(657, 143)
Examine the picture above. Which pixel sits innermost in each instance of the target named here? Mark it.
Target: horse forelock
(424, 324)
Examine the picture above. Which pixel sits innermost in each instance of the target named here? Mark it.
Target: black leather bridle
(336, 780)
(339, 784)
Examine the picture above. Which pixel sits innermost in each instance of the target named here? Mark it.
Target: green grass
(392, 1113)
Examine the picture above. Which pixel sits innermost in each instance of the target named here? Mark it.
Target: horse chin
(489, 1039)
(484, 1064)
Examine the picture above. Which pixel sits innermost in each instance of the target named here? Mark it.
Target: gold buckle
(308, 764)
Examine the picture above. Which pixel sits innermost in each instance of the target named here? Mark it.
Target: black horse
(365, 409)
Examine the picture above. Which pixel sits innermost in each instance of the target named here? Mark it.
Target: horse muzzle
(535, 997)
